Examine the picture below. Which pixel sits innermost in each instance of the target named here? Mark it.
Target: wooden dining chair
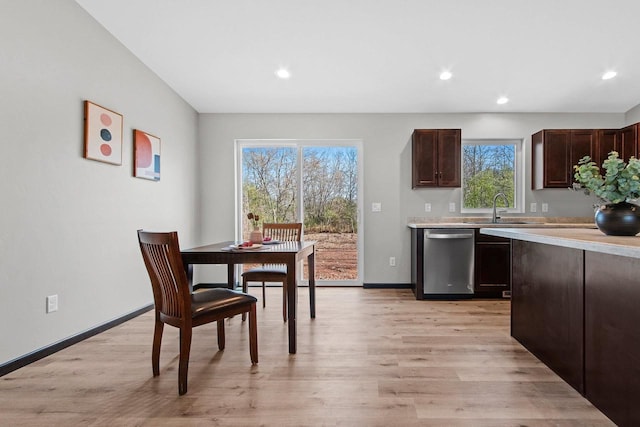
(282, 232)
(177, 306)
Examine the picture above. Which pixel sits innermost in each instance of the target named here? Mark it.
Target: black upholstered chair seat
(275, 270)
(210, 300)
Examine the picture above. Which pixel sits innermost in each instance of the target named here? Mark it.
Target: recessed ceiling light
(283, 73)
(502, 100)
(445, 75)
(609, 75)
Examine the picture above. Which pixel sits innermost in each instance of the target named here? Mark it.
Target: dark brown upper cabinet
(436, 158)
(628, 142)
(607, 140)
(555, 151)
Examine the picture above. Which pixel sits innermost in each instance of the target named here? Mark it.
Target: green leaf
(621, 181)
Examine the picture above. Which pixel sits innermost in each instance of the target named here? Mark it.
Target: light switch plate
(533, 207)
(427, 207)
(545, 207)
(452, 207)
(376, 207)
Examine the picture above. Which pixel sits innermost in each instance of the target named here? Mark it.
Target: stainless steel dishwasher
(448, 263)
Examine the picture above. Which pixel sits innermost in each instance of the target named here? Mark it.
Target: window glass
(316, 182)
(489, 168)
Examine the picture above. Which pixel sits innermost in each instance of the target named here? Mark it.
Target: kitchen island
(575, 304)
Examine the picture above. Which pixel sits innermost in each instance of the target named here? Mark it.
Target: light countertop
(577, 238)
(511, 222)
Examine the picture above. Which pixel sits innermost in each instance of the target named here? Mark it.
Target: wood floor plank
(372, 357)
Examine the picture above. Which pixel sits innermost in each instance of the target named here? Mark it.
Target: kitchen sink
(501, 222)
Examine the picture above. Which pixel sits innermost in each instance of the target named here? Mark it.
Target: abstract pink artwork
(102, 134)
(147, 155)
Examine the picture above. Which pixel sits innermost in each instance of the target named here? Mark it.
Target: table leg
(231, 276)
(292, 296)
(311, 271)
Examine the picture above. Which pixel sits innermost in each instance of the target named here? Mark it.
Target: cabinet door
(606, 142)
(583, 143)
(449, 163)
(424, 158)
(492, 266)
(628, 142)
(557, 145)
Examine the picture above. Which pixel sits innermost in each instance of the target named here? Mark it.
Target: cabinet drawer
(480, 238)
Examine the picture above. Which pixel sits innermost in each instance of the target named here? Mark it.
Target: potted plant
(617, 189)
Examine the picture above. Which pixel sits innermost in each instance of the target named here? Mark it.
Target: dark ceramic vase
(618, 219)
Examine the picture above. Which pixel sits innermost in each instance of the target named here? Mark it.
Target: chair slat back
(161, 254)
(284, 232)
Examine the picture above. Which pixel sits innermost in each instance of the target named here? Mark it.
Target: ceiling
(385, 56)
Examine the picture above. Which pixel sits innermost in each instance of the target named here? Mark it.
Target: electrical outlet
(545, 207)
(427, 207)
(452, 207)
(533, 207)
(52, 303)
(392, 261)
(376, 207)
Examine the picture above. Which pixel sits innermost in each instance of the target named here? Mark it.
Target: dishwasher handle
(450, 236)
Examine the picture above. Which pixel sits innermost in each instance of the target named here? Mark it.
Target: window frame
(300, 145)
(518, 187)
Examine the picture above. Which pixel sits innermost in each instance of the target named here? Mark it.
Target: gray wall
(387, 170)
(68, 225)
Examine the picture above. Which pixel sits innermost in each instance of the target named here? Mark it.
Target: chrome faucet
(495, 198)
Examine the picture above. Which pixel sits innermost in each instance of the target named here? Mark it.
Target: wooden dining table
(287, 253)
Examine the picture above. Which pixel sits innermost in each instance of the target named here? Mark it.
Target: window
(490, 167)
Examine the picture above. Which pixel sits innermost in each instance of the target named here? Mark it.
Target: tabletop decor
(617, 189)
(102, 134)
(256, 234)
(146, 161)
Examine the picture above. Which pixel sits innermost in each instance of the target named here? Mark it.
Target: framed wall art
(102, 134)
(146, 162)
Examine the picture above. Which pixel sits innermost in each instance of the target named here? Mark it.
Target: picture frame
(146, 158)
(102, 134)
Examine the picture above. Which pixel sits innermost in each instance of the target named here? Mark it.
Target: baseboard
(28, 358)
(386, 285)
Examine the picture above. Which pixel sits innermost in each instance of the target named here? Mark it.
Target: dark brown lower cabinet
(547, 306)
(492, 266)
(612, 336)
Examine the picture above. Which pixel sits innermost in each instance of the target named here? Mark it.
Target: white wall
(633, 116)
(67, 224)
(387, 170)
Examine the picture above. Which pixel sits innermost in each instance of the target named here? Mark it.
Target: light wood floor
(372, 357)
